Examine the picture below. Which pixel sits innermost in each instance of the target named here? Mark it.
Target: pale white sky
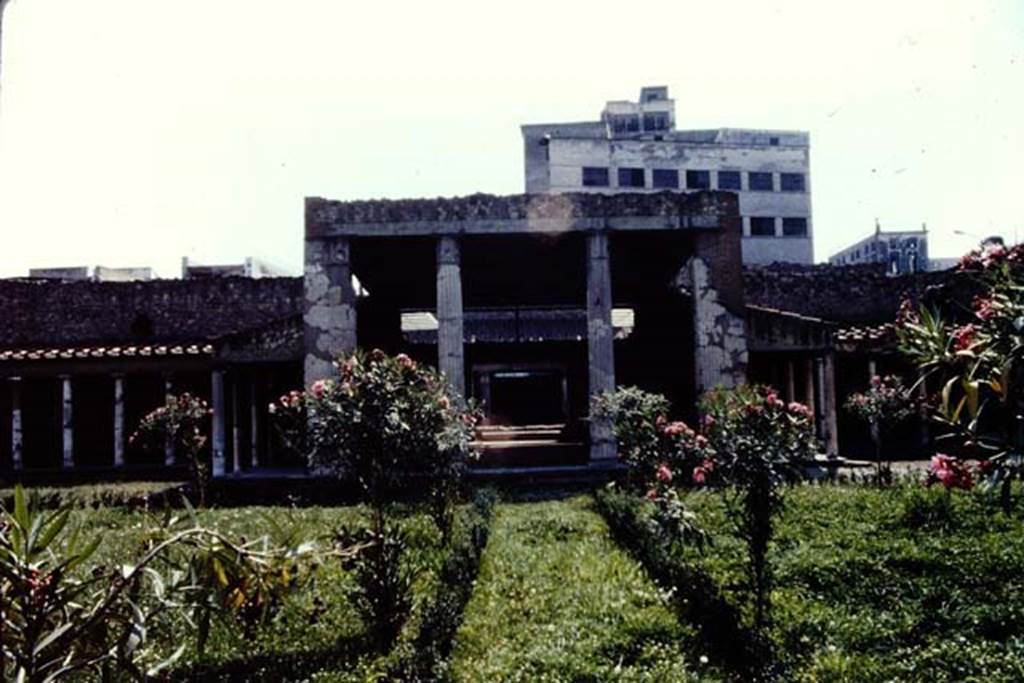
(133, 132)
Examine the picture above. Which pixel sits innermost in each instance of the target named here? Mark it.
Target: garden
(714, 557)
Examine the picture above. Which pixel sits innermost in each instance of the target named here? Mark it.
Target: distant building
(635, 147)
(902, 251)
(97, 274)
(249, 268)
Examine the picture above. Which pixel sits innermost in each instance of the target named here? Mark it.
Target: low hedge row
(695, 595)
(426, 657)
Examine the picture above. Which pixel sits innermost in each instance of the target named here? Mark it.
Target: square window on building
(728, 180)
(791, 182)
(656, 121)
(762, 226)
(665, 178)
(595, 176)
(631, 177)
(773, 141)
(761, 182)
(698, 180)
(794, 227)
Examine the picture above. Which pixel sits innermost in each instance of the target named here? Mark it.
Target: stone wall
(323, 213)
(53, 313)
(857, 294)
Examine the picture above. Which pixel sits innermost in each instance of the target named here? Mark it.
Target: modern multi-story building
(902, 251)
(635, 147)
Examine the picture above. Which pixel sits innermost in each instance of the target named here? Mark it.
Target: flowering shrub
(380, 422)
(756, 442)
(976, 367)
(886, 403)
(183, 421)
(951, 472)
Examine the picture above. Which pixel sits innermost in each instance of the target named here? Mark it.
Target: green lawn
(865, 592)
(872, 585)
(558, 601)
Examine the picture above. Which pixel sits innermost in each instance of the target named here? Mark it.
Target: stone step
(520, 433)
(530, 453)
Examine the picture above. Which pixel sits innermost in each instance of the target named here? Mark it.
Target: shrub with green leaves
(756, 443)
(975, 369)
(384, 423)
(182, 422)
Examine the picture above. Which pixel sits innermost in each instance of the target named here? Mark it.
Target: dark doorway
(527, 397)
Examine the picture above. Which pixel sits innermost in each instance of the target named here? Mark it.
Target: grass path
(557, 600)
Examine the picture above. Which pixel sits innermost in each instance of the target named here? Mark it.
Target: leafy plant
(976, 369)
(58, 620)
(885, 404)
(182, 421)
(756, 443)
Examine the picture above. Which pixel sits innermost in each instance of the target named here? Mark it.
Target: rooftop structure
(635, 147)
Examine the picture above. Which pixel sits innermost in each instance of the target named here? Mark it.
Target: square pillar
(600, 340)
(236, 436)
(254, 430)
(169, 441)
(67, 423)
(829, 401)
(790, 381)
(450, 349)
(329, 315)
(17, 457)
(118, 420)
(809, 385)
(219, 431)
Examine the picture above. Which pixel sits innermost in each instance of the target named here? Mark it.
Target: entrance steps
(528, 446)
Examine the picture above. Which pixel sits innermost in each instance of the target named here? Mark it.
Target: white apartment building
(635, 147)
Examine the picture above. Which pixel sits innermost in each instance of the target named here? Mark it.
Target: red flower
(949, 472)
(677, 428)
(963, 337)
(700, 475)
(319, 388)
(984, 308)
(664, 474)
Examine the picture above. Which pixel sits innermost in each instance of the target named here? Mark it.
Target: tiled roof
(144, 351)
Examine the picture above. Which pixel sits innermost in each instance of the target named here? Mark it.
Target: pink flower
(701, 441)
(799, 409)
(405, 361)
(876, 381)
(993, 255)
(664, 474)
(984, 308)
(700, 475)
(677, 429)
(319, 388)
(652, 494)
(707, 422)
(444, 402)
(708, 465)
(963, 337)
(272, 408)
(950, 472)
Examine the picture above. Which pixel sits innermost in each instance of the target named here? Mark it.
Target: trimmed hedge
(427, 660)
(696, 596)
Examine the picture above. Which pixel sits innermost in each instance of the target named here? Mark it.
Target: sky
(135, 132)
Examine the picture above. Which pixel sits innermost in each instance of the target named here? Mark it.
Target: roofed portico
(519, 292)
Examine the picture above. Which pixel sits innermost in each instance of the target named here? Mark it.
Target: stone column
(790, 381)
(219, 427)
(872, 368)
(169, 441)
(600, 340)
(810, 381)
(827, 427)
(254, 431)
(719, 335)
(873, 428)
(330, 307)
(236, 436)
(68, 423)
(17, 458)
(118, 420)
(450, 347)
(924, 433)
